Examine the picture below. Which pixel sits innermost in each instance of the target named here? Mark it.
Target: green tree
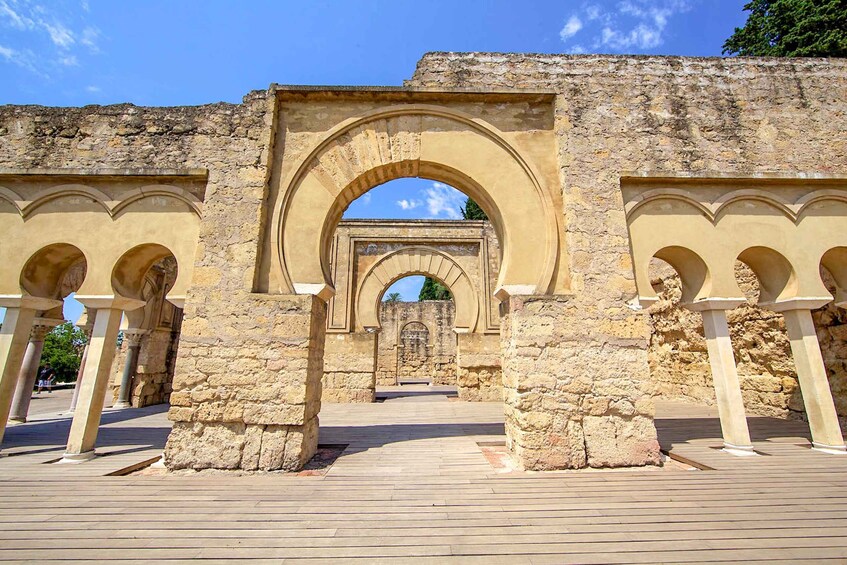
(472, 211)
(434, 290)
(791, 28)
(393, 297)
(62, 350)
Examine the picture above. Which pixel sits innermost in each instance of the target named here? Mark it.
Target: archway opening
(417, 342)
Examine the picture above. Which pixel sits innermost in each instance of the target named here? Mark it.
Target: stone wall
(650, 117)
(349, 368)
(440, 362)
(479, 374)
(570, 406)
(679, 362)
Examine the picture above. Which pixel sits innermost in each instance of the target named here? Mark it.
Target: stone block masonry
(253, 405)
(572, 402)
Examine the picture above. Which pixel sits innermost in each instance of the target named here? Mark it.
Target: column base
(830, 449)
(17, 420)
(122, 405)
(78, 457)
(739, 450)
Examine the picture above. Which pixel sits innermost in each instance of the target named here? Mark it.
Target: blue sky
(164, 53)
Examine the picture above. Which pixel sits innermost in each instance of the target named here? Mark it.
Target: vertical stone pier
(350, 367)
(247, 395)
(572, 400)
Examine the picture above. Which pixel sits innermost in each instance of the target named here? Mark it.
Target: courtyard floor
(423, 476)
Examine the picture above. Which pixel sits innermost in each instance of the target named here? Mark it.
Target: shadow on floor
(380, 396)
(681, 430)
(55, 431)
(362, 438)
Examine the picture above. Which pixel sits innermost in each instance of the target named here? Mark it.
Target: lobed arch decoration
(835, 261)
(692, 271)
(417, 261)
(425, 141)
(29, 205)
(783, 233)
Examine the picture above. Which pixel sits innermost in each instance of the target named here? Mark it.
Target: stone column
(736, 435)
(811, 372)
(29, 370)
(95, 377)
(576, 389)
(133, 338)
(86, 329)
(350, 367)
(14, 336)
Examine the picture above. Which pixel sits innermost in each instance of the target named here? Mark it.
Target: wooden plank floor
(414, 485)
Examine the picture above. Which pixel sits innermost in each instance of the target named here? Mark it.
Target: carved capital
(41, 327)
(134, 336)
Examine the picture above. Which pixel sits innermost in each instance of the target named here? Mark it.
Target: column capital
(798, 303)
(41, 327)
(29, 302)
(112, 301)
(133, 336)
(707, 304)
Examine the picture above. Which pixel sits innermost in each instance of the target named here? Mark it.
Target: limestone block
(584, 401)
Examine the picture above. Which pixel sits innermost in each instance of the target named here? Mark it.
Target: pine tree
(472, 211)
(791, 28)
(434, 290)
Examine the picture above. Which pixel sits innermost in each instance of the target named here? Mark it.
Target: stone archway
(425, 141)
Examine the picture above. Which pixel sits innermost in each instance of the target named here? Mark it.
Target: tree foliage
(791, 28)
(393, 297)
(434, 290)
(472, 211)
(63, 350)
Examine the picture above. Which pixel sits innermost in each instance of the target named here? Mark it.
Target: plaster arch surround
(417, 261)
(427, 141)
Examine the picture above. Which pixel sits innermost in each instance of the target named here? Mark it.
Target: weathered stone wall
(479, 375)
(650, 116)
(249, 366)
(437, 316)
(569, 406)
(679, 362)
(350, 367)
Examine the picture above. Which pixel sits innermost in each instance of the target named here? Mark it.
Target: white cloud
(61, 36)
(365, 198)
(444, 201)
(93, 89)
(408, 204)
(45, 38)
(632, 25)
(572, 26)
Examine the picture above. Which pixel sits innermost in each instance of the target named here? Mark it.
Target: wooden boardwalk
(414, 484)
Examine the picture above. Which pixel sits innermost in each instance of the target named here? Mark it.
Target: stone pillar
(811, 372)
(478, 372)
(95, 377)
(86, 329)
(29, 370)
(736, 436)
(576, 389)
(14, 336)
(133, 338)
(350, 367)
(247, 394)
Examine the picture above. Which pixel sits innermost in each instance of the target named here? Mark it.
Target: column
(811, 372)
(29, 370)
(14, 336)
(95, 377)
(736, 436)
(133, 338)
(86, 329)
